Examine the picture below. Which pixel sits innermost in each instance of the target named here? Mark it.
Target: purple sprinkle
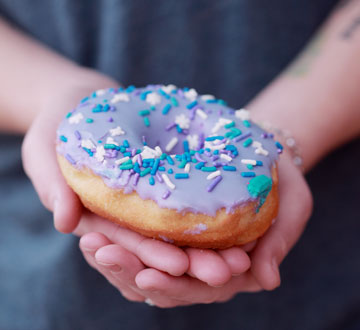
(139, 159)
(161, 162)
(271, 135)
(185, 131)
(227, 152)
(192, 114)
(213, 184)
(110, 120)
(181, 93)
(78, 135)
(128, 149)
(242, 137)
(158, 177)
(166, 194)
(112, 108)
(143, 139)
(198, 158)
(170, 126)
(207, 153)
(70, 159)
(220, 112)
(133, 152)
(111, 153)
(279, 151)
(119, 175)
(137, 92)
(136, 178)
(132, 172)
(264, 135)
(217, 164)
(215, 157)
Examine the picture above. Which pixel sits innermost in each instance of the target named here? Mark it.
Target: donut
(171, 164)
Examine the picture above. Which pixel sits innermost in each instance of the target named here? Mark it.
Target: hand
(38, 150)
(167, 276)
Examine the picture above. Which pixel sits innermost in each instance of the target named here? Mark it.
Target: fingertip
(91, 242)
(147, 279)
(267, 274)
(237, 260)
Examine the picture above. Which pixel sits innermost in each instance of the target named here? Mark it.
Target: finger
(185, 288)
(45, 175)
(294, 211)
(237, 260)
(91, 242)
(151, 252)
(249, 246)
(208, 266)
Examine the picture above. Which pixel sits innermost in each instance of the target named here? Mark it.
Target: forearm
(32, 74)
(317, 97)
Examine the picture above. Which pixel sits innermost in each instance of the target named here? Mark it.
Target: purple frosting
(164, 143)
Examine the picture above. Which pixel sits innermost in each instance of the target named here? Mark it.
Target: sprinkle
(214, 183)
(247, 174)
(144, 113)
(171, 144)
(166, 95)
(87, 144)
(120, 97)
(75, 119)
(153, 98)
(185, 144)
(259, 163)
(247, 123)
(145, 172)
(201, 114)
(126, 166)
(187, 168)
(232, 124)
(166, 109)
(143, 95)
(170, 126)
(77, 135)
(121, 160)
(170, 160)
(213, 138)
(249, 161)
(167, 181)
(152, 180)
(174, 101)
(166, 194)
(199, 165)
(146, 121)
(278, 144)
(158, 177)
(89, 120)
(208, 168)
(126, 144)
(261, 151)
(88, 151)
(250, 167)
(190, 94)
(136, 178)
(226, 157)
(192, 104)
(84, 99)
(213, 175)
(242, 114)
(229, 168)
(68, 114)
(130, 89)
(155, 166)
(70, 159)
(116, 131)
(242, 137)
(247, 142)
(170, 171)
(183, 121)
(111, 146)
(206, 97)
(181, 176)
(63, 138)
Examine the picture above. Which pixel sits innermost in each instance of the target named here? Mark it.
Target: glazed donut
(171, 164)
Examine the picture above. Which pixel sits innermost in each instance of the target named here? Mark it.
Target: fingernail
(113, 267)
(149, 302)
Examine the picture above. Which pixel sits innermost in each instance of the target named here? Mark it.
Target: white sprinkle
(213, 175)
(110, 140)
(211, 146)
(158, 151)
(75, 119)
(124, 97)
(148, 152)
(220, 123)
(167, 181)
(201, 114)
(242, 114)
(88, 144)
(191, 94)
(249, 161)
(261, 151)
(122, 160)
(183, 121)
(168, 89)
(171, 144)
(256, 144)
(100, 153)
(117, 131)
(153, 98)
(193, 141)
(187, 168)
(226, 157)
(206, 97)
(100, 92)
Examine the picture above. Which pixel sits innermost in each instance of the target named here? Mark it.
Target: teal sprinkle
(144, 113)
(212, 101)
(201, 151)
(216, 152)
(155, 166)
(161, 168)
(170, 160)
(178, 128)
(260, 187)
(192, 152)
(138, 151)
(145, 172)
(181, 176)
(194, 160)
(208, 149)
(110, 146)
(279, 145)
(182, 164)
(259, 163)
(84, 99)
(213, 138)
(152, 108)
(166, 109)
(247, 142)
(222, 102)
(143, 95)
(198, 166)
(136, 167)
(93, 95)
(98, 108)
(163, 156)
(106, 107)
(229, 168)
(122, 149)
(126, 144)
(250, 167)
(89, 151)
(186, 89)
(68, 114)
(130, 89)
(170, 171)
(232, 124)
(63, 138)
(152, 180)
(89, 120)
(174, 101)
(208, 168)
(146, 121)
(99, 141)
(166, 95)
(127, 154)
(126, 166)
(246, 123)
(129, 161)
(247, 174)
(186, 146)
(192, 104)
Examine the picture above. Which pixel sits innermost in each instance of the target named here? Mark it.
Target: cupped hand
(166, 276)
(39, 154)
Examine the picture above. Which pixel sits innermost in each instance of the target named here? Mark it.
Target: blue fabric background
(229, 48)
